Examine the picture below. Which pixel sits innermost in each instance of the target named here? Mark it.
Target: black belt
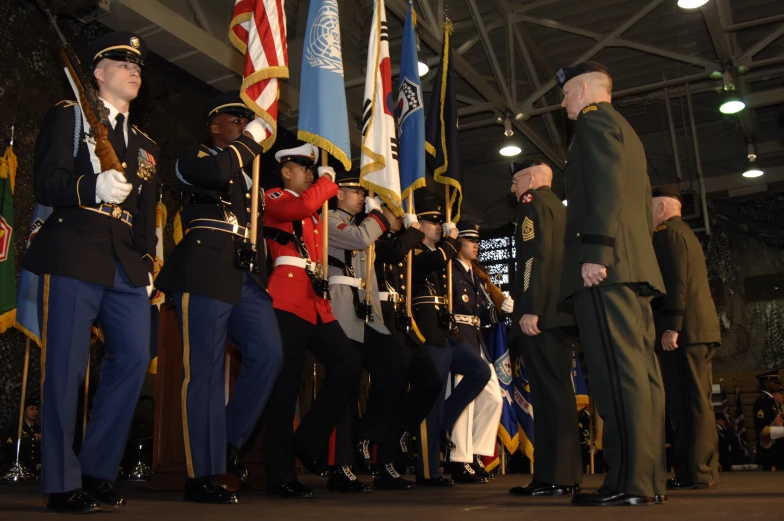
(429, 299)
(216, 225)
(111, 210)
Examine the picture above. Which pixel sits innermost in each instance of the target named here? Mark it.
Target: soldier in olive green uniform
(687, 333)
(544, 332)
(610, 276)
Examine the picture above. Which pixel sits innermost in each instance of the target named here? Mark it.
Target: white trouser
(476, 429)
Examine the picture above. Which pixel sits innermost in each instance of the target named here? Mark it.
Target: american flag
(740, 425)
(258, 30)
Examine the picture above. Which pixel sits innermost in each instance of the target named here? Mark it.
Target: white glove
(507, 306)
(327, 170)
(111, 187)
(776, 432)
(258, 129)
(149, 286)
(371, 204)
(448, 227)
(409, 219)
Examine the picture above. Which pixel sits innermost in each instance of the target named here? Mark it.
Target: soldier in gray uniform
(687, 333)
(363, 323)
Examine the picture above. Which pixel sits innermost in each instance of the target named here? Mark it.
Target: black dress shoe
(104, 491)
(439, 482)
(679, 484)
(606, 497)
(313, 465)
(538, 488)
(207, 490)
(363, 452)
(467, 476)
(479, 467)
(74, 502)
(292, 489)
(341, 479)
(660, 498)
(389, 479)
(233, 465)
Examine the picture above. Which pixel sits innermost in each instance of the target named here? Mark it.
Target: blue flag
(524, 408)
(578, 382)
(27, 290)
(323, 116)
(499, 350)
(411, 115)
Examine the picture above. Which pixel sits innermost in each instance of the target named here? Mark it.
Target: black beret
(565, 74)
(516, 166)
(229, 103)
(667, 191)
(118, 46)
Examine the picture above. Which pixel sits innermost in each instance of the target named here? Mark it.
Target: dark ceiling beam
(754, 23)
(760, 45)
(495, 66)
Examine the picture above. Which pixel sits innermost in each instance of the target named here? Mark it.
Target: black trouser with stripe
(687, 382)
(617, 332)
(548, 359)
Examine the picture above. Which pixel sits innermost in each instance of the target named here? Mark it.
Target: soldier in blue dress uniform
(95, 258)
(219, 297)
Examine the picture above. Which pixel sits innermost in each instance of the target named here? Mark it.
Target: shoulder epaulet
(66, 103)
(417, 251)
(660, 228)
(274, 194)
(137, 129)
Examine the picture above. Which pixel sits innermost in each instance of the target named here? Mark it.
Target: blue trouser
(67, 309)
(206, 324)
(462, 359)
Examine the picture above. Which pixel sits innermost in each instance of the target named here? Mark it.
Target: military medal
(146, 168)
(465, 297)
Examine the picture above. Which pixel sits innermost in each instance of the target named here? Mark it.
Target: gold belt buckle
(117, 212)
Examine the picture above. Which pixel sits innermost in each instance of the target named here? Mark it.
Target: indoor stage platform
(740, 496)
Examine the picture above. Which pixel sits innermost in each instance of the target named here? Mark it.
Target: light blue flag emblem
(323, 116)
(524, 408)
(27, 289)
(411, 115)
(499, 351)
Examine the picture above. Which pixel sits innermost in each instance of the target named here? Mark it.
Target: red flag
(258, 30)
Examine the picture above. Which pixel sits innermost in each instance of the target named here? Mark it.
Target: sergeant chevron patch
(527, 276)
(528, 229)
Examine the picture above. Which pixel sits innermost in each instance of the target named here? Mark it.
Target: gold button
(247, 196)
(401, 276)
(247, 210)
(578, 234)
(403, 286)
(315, 231)
(443, 276)
(124, 164)
(291, 275)
(231, 181)
(60, 220)
(198, 241)
(362, 259)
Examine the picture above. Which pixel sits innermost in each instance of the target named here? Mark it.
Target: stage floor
(740, 496)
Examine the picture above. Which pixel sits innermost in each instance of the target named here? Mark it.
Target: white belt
(388, 296)
(470, 320)
(347, 281)
(297, 262)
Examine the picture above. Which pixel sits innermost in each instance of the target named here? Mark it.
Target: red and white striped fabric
(258, 30)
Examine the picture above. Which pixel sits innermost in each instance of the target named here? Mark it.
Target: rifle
(95, 112)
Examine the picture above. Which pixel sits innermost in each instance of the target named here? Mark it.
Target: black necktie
(117, 136)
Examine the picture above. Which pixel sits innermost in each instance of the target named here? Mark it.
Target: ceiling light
(423, 68)
(508, 132)
(731, 101)
(510, 150)
(691, 4)
(751, 167)
(564, 202)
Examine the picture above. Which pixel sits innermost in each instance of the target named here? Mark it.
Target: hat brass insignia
(135, 43)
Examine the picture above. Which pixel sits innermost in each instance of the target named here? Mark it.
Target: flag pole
(254, 211)
(592, 434)
(325, 233)
(86, 401)
(449, 265)
(409, 259)
(369, 272)
(17, 471)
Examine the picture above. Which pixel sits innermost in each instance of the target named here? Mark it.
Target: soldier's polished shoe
(678, 484)
(466, 475)
(479, 467)
(538, 488)
(233, 465)
(660, 499)
(439, 482)
(312, 465)
(363, 452)
(74, 502)
(341, 479)
(104, 491)
(606, 497)
(207, 490)
(291, 490)
(388, 479)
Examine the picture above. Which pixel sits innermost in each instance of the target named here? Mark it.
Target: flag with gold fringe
(157, 298)
(508, 431)
(441, 128)
(378, 163)
(7, 255)
(258, 30)
(323, 115)
(27, 289)
(411, 113)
